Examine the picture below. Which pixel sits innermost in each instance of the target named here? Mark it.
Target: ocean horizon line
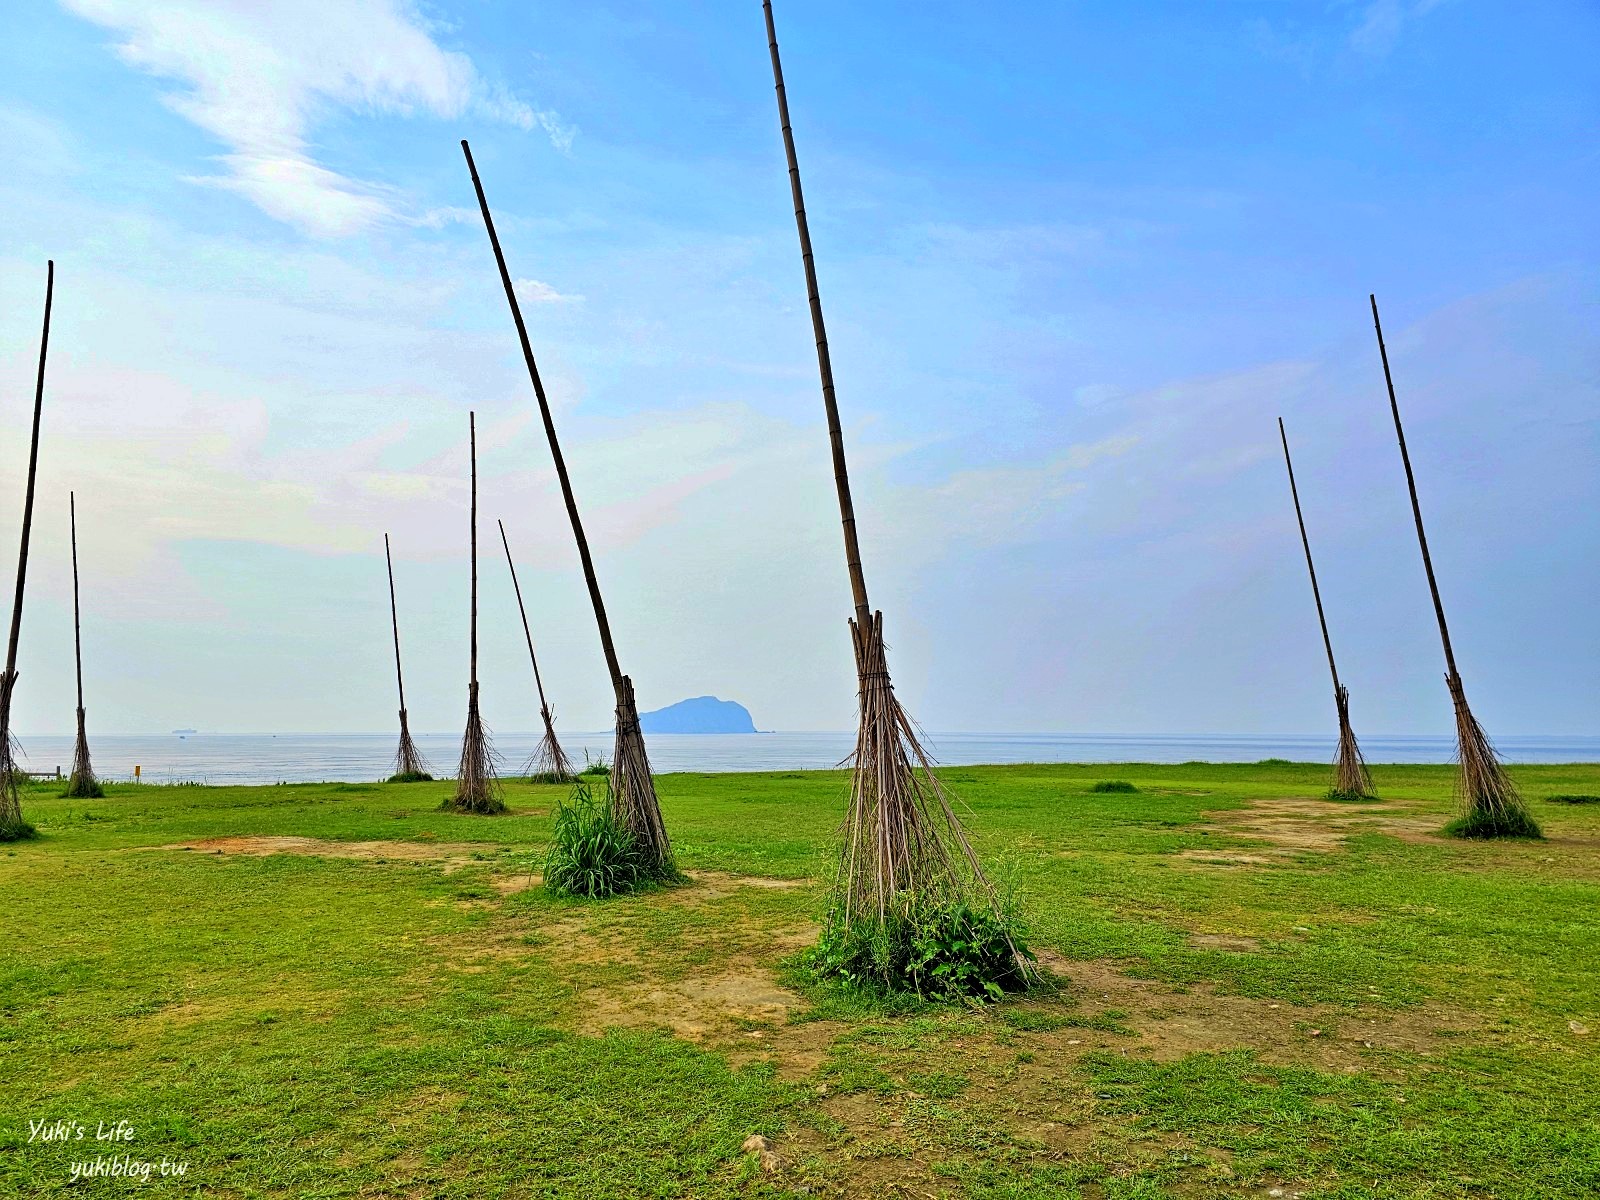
(258, 758)
(1289, 734)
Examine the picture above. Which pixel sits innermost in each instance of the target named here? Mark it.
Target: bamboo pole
(477, 789)
(83, 785)
(472, 439)
(1311, 568)
(1411, 487)
(516, 587)
(12, 825)
(549, 762)
(1492, 805)
(904, 846)
(394, 620)
(584, 556)
(409, 765)
(841, 473)
(1351, 780)
(77, 625)
(631, 788)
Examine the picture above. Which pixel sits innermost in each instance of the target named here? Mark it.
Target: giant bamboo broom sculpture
(631, 790)
(477, 789)
(549, 762)
(83, 785)
(409, 765)
(1350, 778)
(903, 843)
(12, 826)
(1491, 804)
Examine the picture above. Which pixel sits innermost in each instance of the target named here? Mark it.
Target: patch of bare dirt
(1026, 1082)
(1224, 941)
(472, 952)
(714, 885)
(799, 1050)
(737, 1005)
(188, 1012)
(1296, 825)
(1170, 1023)
(713, 1008)
(510, 885)
(733, 1001)
(1229, 858)
(453, 855)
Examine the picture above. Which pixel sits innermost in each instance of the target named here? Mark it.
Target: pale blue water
(268, 758)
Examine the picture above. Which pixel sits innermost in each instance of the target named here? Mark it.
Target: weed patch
(594, 855)
(1485, 823)
(949, 951)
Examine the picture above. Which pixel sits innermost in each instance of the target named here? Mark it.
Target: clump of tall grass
(1113, 785)
(593, 854)
(594, 766)
(1573, 799)
(410, 777)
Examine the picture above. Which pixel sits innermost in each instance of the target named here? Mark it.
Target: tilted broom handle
(1411, 486)
(841, 474)
(526, 632)
(77, 628)
(1327, 642)
(472, 439)
(9, 679)
(394, 618)
(550, 433)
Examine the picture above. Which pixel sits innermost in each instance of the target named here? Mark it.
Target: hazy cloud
(1382, 22)
(534, 291)
(259, 76)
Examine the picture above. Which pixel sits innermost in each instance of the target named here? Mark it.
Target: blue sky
(1075, 258)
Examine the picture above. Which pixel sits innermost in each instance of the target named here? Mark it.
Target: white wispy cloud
(536, 291)
(259, 76)
(502, 105)
(1383, 21)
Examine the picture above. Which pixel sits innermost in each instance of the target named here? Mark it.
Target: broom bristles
(1351, 779)
(8, 743)
(1490, 802)
(903, 842)
(408, 760)
(10, 782)
(477, 786)
(549, 762)
(82, 785)
(630, 789)
(12, 826)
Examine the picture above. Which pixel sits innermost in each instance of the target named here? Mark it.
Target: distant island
(703, 714)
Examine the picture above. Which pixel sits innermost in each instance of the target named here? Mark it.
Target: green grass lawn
(1256, 990)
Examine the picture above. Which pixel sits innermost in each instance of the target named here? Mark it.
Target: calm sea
(297, 758)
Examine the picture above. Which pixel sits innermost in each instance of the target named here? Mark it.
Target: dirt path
(1295, 825)
(453, 855)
